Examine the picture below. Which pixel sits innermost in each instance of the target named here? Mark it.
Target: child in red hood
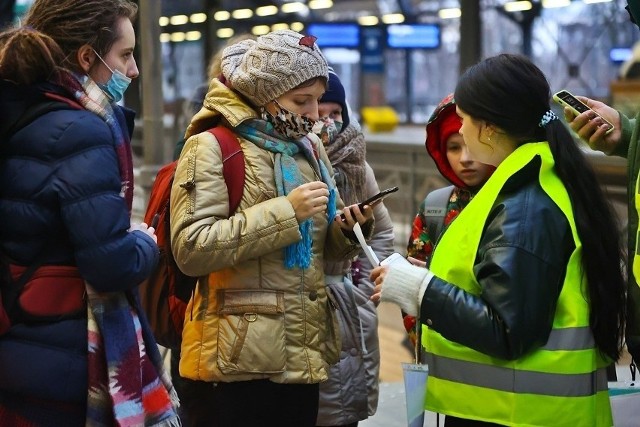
(449, 152)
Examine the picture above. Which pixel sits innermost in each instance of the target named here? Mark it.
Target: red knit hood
(441, 125)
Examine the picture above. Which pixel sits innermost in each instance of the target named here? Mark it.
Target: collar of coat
(220, 103)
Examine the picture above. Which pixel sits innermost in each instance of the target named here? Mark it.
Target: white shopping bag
(415, 390)
(625, 403)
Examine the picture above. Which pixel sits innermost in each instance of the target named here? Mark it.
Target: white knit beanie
(273, 64)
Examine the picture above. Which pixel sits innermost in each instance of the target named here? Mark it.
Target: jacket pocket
(251, 334)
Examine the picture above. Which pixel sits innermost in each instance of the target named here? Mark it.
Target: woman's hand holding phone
(592, 127)
(354, 214)
(363, 211)
(371, 201)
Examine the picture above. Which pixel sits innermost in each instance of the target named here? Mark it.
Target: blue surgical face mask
(117, 84)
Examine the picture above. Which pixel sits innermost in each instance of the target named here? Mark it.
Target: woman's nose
(133, 71)
(313, 113)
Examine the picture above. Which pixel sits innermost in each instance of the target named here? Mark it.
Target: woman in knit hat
(446, 147)
(260, 330)
(351, 394)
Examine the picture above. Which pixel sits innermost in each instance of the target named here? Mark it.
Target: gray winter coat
(351, 393)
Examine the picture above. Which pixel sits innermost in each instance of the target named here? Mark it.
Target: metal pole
(470, 34)
(152, 99)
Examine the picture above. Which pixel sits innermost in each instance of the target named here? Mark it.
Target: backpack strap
(435, 210)
(232, 164)
(12, 289)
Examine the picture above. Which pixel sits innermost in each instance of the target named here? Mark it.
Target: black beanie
(335, 93)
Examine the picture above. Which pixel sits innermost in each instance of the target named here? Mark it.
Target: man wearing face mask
(261, 332)
(623, 141)
(351, 393)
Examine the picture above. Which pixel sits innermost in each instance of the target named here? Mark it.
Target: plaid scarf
(128, 385)
(288, 177)
(347, 153)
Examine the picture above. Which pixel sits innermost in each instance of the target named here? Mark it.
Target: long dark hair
(510, 92)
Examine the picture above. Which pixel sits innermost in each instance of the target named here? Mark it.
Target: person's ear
(489, 130)
(86, 57)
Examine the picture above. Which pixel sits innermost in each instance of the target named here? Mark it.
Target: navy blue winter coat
(60, 194)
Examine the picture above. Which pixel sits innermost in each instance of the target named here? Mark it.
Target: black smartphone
(374, 199)
(565, 99)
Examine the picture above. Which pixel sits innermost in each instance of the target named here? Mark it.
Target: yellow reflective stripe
(516, 381)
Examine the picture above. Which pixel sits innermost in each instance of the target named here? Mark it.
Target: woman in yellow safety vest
(524, 298)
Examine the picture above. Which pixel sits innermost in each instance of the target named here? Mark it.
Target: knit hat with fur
(273, 64)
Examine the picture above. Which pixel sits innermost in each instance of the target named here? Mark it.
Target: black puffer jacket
(60, 202)
(520, 265)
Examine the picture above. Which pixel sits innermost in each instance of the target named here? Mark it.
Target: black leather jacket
(520, 266)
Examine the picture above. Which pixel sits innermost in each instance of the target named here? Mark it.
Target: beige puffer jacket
(250, 317)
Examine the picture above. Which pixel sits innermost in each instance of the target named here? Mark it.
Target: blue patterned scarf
(288, 177)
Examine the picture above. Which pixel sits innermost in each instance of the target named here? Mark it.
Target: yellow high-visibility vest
(636, 255)
(563, 383)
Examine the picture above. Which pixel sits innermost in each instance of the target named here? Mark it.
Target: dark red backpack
(165, 294)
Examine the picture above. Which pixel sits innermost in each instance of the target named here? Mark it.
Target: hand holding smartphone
(566, 99)
(371, 201)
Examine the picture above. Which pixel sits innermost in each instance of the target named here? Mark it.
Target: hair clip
(549, 116)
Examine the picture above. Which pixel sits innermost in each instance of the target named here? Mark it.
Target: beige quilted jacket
(250, 317)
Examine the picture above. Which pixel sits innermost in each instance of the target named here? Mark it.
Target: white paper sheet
(371, 256)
